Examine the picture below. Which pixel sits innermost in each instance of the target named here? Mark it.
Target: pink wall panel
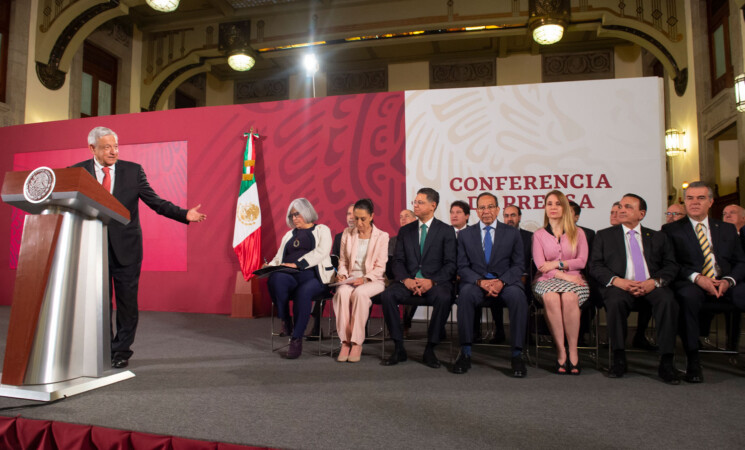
(333, 151)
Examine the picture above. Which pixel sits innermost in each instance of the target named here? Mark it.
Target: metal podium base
(54, 391)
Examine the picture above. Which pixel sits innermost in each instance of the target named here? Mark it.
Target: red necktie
(106, 183)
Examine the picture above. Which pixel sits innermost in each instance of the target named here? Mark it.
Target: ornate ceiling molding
(65, 35)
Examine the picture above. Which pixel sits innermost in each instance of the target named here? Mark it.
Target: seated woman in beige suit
(364, 252)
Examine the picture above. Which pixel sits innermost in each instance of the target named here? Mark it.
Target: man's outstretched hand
(193, 215)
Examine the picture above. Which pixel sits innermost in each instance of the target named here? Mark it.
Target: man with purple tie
(635, 264)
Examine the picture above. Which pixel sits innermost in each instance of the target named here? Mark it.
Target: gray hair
(700, 184)
(99, 132)
(303, 206)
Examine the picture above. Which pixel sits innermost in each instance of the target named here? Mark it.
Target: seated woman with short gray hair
(305, 247)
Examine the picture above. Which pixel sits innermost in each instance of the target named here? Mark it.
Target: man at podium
(127, 182)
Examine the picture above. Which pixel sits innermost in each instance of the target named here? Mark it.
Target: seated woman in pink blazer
(560, 253)
(364, 252)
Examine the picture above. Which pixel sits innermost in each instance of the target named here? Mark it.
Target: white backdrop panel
(593, 140)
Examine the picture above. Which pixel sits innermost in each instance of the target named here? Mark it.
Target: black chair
(732, 315)
(593, 344)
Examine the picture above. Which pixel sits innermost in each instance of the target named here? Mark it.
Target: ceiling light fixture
(548, 20)
(233, 40)
(163, 5)
(241, 62)
(311, 64)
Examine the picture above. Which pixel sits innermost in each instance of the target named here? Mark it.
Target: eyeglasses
(293, 215)
(673, 214)
(418, 203)
(484, 208)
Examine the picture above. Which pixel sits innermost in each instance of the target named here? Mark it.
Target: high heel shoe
(355, 353)
(573, 369)
(344, 352)
(561, 368)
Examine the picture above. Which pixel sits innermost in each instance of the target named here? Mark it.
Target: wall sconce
(233, 40)
(675, 142)
(163, 5)
(548, 20)
(684, 185)
(740, 92)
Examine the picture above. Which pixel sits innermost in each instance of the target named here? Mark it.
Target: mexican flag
(247, 233)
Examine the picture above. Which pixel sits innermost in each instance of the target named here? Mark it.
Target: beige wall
(218, 93)
(683, 116)
(43, 105)
(408, 76)
(627, 61)
(521, 68)
(726, 176)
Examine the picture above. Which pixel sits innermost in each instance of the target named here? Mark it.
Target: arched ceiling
(350, 32)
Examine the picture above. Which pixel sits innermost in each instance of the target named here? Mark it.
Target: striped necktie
(703, 241)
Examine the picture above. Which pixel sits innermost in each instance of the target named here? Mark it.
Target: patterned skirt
(557, 285)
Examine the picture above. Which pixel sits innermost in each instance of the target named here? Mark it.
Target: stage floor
(214, 378)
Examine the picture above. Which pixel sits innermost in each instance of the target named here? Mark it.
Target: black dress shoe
(518, 367)
(119, 363)
(694, 374)
(398, 355)
(642, 343)
(668, 373)
(430, 359)
(462, 364)
(295, 349)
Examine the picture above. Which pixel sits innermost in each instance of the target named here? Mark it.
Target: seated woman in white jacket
(362, 258)
(305, 247)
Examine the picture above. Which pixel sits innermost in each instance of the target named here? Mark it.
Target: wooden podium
(59, 336)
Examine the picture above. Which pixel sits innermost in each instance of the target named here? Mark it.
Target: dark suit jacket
(725, 244)
(438, 261)
(608, 258)
(529, 267)
(131, 186)
(506, 262)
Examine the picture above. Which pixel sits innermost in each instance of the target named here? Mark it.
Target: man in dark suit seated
(127, 182)
(490, 264)
(712, 269)
(423, 270)
(633, 263)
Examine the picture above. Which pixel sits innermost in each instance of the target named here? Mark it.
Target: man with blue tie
(423, 270)
(490, 264)
(712, 269)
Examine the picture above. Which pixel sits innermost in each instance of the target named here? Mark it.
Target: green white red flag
(247, 233)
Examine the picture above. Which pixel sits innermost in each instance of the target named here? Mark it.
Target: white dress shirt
(98, 168)
(492, 232)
